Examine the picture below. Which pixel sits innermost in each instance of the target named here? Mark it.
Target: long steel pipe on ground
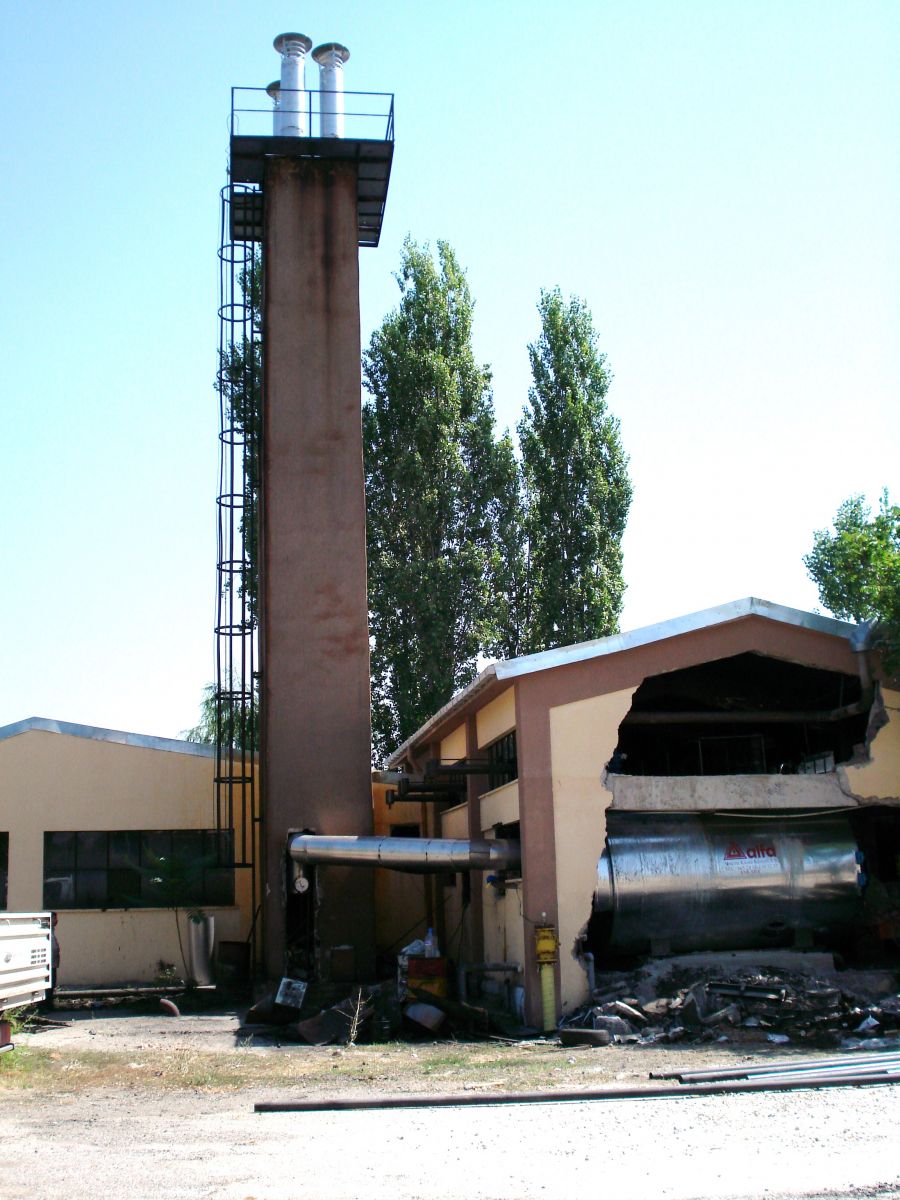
(467, 1099)
(871, 1062)
(406, 854)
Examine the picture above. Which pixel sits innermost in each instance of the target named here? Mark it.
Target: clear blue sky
(719, 181)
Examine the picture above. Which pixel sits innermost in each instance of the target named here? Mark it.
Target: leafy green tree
(239, 383)
(576, 481)
(857, 570)
(228, 712)
(438, 486)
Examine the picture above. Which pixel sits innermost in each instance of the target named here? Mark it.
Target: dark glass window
(503, 763)
(155, 868)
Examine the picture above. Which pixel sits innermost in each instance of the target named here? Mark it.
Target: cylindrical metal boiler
(710, 881)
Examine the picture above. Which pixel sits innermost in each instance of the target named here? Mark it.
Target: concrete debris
(426, 1015)
(342, 1024)
(368, 1013)
(750, 1004)
(584, 1037)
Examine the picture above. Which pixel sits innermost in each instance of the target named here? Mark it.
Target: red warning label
(735, 852)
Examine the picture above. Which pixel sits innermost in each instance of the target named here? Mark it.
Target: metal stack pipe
(290, 115)
(273, 91)
(331, 57)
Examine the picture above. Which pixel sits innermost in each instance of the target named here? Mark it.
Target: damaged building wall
(567, 706)
(879, 778)
(707, 793)
(583, 736)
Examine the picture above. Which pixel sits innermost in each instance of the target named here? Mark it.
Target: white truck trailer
(26, 958)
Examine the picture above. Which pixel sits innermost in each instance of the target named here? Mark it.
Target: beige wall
(504, 928)
(583, 736)
(453, 746)
(400, 899)
(53, 781)
(496, 718)
(500, 807)
(880, 777)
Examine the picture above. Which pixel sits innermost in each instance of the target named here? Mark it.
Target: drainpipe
(546, 952)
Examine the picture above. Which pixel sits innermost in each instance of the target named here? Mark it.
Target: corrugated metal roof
(95, 733)
(721, 614)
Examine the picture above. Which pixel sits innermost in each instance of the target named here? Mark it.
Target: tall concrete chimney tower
(321, 198)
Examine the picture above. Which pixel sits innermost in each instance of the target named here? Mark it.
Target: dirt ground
(147, 1106)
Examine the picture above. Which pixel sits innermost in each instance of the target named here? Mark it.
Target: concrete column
(475, 785)
(316, 734)
(537, 833)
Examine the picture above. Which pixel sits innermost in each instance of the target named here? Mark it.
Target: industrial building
(723, 780)
(86, 815)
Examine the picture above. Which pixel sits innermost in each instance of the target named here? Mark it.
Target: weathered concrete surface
(316, 736)
(704, 793)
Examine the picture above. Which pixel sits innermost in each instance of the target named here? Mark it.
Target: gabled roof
(721, 614)
(94, 733)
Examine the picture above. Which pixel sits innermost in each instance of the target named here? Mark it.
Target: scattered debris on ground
(747, 1004)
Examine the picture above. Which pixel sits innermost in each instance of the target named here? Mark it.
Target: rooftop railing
(367, 116)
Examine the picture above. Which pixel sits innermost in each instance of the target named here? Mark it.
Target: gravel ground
(141, 1142)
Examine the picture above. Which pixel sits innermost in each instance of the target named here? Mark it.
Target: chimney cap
(322, 53)
(282, 40)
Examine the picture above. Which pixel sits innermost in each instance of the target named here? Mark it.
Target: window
(408, 831)
(502, 759)
(4, 867)
(135, 868)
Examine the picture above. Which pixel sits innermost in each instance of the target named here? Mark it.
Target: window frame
(113, 869)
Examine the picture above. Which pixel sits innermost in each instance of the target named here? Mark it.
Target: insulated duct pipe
(290, 116)
(331, 58)
(405, 854)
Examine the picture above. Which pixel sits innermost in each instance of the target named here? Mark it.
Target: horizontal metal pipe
(870, 1061)
(406, 854)
(467, 1099)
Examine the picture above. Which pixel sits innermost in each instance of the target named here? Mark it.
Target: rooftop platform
(253, 143)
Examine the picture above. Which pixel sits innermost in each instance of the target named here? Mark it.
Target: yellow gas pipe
(546, 947)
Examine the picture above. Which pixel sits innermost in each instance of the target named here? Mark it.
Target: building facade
(108, 829)
(750, 709)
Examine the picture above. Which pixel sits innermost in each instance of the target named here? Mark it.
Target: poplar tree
(437, 488)
(576, 482)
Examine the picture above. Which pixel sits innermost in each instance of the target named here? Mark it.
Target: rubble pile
(744, 1006)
